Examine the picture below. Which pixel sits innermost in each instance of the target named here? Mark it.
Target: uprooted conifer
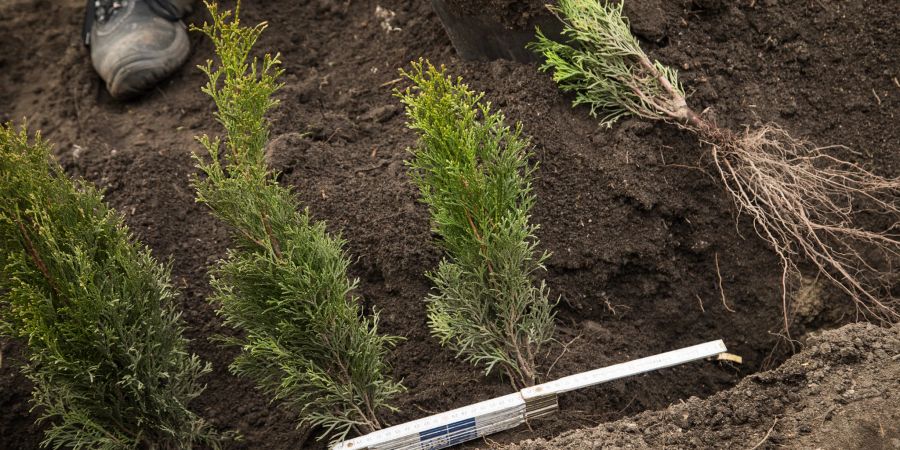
(473, 172)
(804, 202)
(284, 284)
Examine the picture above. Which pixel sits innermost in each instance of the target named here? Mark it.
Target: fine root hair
(806, 203)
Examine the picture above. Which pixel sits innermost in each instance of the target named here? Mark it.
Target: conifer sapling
(803, 201)
(473, 172)
(106, 355)
(284, 283)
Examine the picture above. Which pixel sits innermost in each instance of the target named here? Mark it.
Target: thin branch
(276, 247)
(38, 261)
(721, 289)
(766, 437)
(561, 353)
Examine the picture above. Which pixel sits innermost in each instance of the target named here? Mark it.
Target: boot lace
(102, 11)
(106, 9)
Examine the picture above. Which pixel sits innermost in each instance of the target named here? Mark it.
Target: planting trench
(635, 228)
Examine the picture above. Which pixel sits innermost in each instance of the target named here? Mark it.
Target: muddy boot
(136, 43)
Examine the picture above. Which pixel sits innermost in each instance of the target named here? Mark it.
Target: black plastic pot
(483, 37)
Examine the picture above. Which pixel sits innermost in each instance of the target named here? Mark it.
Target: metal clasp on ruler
(536, 407)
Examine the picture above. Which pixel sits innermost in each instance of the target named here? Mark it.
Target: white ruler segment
(502, 413)
(440, 427)
(627, 369)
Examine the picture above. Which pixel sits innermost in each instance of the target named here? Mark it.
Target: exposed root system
(803, 202)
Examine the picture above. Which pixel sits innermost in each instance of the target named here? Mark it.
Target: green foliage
(106, 354)
(604, 66)
(473, 172)
(284, 283)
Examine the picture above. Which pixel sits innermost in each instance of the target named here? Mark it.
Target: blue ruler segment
(448, 435)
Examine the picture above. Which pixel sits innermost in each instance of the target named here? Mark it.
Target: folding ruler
(481, 419)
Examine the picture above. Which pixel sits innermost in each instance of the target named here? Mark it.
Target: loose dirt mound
(841, 392)
(634, 223)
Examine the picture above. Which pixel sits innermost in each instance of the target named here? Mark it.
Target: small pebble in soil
(380, 114)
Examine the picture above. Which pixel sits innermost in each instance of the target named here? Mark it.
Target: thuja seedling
(284, 283)
(106, 356)
(803, 201)
(472, 171)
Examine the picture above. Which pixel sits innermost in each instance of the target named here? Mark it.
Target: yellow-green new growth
(106, 357)
(473, 172)
(284, 284)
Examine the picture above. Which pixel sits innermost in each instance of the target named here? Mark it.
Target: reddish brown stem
(680, 111)
(275, 246)
(480, 240)
(36, 259)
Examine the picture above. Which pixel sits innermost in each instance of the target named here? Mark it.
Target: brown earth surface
(841, 392)
(509, 13)
(631, 214)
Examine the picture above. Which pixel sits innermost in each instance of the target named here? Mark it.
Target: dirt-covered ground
(634, 220)
(841, 392)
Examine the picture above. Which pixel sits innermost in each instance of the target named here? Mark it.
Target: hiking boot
(136, 43)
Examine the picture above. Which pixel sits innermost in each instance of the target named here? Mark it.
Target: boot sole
(137, 76)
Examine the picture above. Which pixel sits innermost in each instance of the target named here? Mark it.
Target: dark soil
(841, 392)
(633, 218)
(511, 13)
(648, 18)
